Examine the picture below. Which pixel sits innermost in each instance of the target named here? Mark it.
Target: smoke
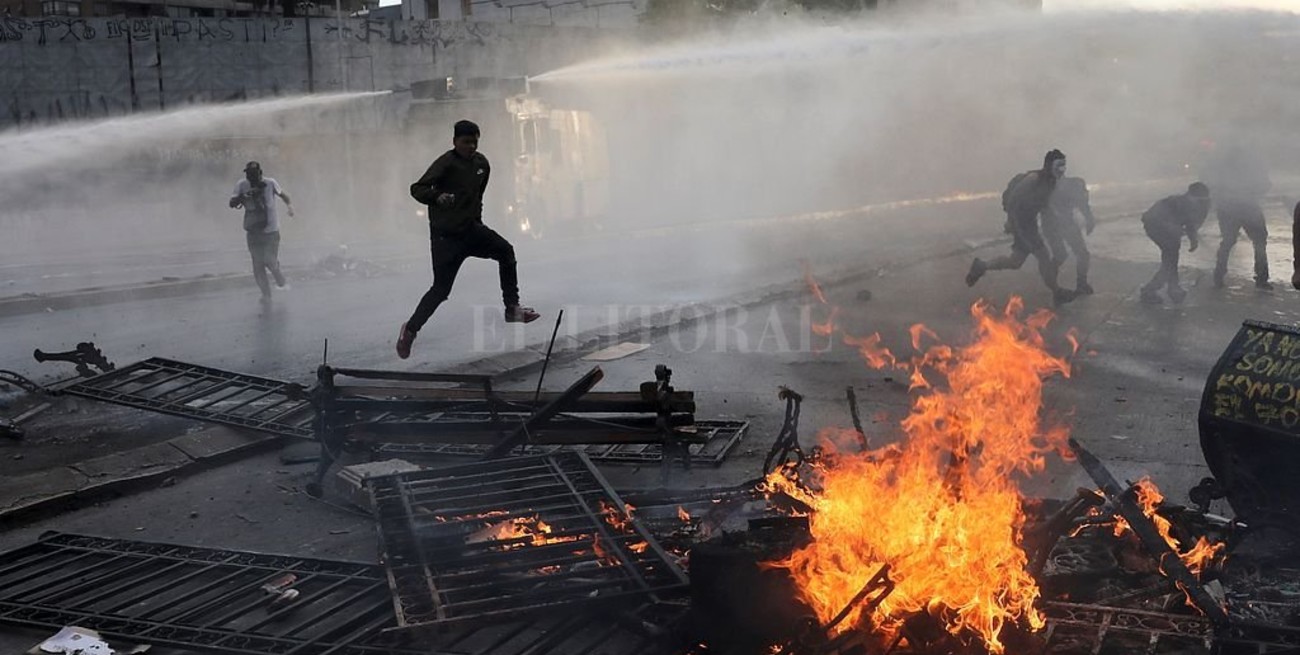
(1171, 5)
(162, 180)
(821, 117)
(759, 119)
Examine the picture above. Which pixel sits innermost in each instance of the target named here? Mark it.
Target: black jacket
(466, 179)
(1177, 215)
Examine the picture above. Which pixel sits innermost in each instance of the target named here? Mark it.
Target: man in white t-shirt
(256, 195)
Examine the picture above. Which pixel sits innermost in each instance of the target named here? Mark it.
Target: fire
(940, 506)
(520, 531)
(683, 515)
(1198, 557)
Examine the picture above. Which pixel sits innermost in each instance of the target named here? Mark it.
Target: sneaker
(1263, 285)
(1218, 282)
(977, 269)
(1083, 289)
(1151, 298)
(517, 314)
(265, 299)
(1062, 296)
(283, 287)
(1177, 294)
(405, 338)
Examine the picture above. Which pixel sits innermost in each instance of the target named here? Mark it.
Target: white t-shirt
(271, 189)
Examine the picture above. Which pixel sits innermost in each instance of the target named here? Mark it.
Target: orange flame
(940, 507)
(1201, 555)
(683, 515)
(537, 531)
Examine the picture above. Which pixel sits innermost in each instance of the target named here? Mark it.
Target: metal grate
(212, 601)
(186, 597)
(203, 393)
(492, 541)
(721, 437)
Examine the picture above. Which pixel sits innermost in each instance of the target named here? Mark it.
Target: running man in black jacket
(453, 189)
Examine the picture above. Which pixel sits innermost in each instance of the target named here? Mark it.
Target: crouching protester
(1166, 223)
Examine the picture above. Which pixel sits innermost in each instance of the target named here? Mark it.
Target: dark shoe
(405, 338)
(1177, 294)
(1062, 296)
(977, 269)
(1218, 282)
(1084, 289)
(517, 314)
(1263, 285)
(1151, 298)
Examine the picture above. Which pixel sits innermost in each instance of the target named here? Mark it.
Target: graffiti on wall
(411, 32)
(61, 29)
(234, 59)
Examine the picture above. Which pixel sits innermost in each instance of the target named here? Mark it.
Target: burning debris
(917, 541)
(939, 509)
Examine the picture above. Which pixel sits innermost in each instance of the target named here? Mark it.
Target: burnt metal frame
(349, 416)
(1170, 563)
(440, 577)
(1098, 625)
(174, 388)
(720, 437)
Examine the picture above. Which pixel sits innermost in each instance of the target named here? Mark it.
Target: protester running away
(256, 195)
(1166, 223)
(1025, 201)
(453, 188)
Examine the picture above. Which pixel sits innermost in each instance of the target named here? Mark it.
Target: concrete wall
(60, 68)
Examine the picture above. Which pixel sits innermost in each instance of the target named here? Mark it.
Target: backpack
(1006, 194)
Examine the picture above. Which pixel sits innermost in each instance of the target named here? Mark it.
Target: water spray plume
(32, 151)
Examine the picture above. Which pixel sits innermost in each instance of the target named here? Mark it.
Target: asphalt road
(1132, 397)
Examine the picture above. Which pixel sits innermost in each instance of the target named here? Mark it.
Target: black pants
(265, 249)
(1170, 243)
(1062, 232)
(1027, 241)
(449, 252)
(1235, 216)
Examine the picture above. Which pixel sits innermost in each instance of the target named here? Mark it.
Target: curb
(40, 494)
(37, 303)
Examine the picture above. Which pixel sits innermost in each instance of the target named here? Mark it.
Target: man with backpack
(256, 195)
(1024, 200)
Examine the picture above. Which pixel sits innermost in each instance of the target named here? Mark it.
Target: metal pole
(538, 394)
